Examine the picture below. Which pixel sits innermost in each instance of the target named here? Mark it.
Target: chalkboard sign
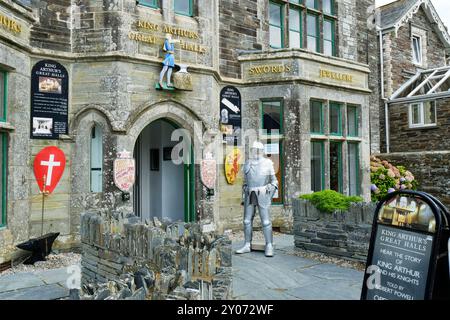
(405, 255)
(231, 115)
(49, 100)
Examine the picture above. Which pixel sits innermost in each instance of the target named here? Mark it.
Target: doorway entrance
(163, 189)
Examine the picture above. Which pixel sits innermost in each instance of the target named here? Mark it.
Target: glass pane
(328, 48)
(183, 6)
(312, 43)
(417, 50)
(312, 25)
(294, 20)
(352, 121)
(415, 114)
(328, 30)
(335, 166)
(275, 155)
(317, 166)
(316, 117)
(430, 112)
(2, 95)
(96, 159)
(275, 15)
(275, 37)
(353, 168)
(335, 119)
(150, 3)
(2, 187)
(310, 3)
(327, 6)
(272, 116)
(295, 1)
(294, 39)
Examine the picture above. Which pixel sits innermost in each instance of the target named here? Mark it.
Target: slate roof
(393, 12)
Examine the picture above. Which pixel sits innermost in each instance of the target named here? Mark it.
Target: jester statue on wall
(169, 61)
(260, 185)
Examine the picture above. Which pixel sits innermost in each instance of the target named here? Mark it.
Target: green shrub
(331, 201)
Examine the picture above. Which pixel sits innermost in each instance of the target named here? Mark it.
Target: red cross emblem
(49, 167)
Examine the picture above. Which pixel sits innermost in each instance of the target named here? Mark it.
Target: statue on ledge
(168, 63)
(260, 185)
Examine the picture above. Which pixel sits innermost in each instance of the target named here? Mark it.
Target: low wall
(343, 234)
(178, 256)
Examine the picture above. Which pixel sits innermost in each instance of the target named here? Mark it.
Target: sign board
(403, 255)
(231, 115)
(124, 171)
(49, 100)
(48, 167)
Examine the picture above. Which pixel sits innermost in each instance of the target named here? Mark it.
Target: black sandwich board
(231, 115)
(408, 253)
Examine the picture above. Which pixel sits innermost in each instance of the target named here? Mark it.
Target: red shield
(49, 167)
(124, 173)
(208, 173)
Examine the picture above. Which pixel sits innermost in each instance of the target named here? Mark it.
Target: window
(96, 159)
(276, 25)
(422, 114)
(336, 166)
(353, 169)
(3, 166)
(149, 3)
(272, 117)
(317, 166)
(328, 37)
(311, 4)
(316, 115)
(335, 119)
(183, 7)
(417, 49)
(3, 94)
(328, 6)
(312, 25)
(352, 121)
(295, 28)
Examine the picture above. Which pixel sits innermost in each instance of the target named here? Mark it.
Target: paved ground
(284, 277)
(287, 277)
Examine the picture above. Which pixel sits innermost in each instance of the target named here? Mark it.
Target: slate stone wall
(342, 234)
(178, 255)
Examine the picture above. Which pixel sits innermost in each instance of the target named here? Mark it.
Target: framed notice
(231, 115)
(49, 100)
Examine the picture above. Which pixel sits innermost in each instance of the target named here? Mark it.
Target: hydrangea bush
(387, 178)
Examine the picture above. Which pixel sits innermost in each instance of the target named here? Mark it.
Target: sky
(442, 7)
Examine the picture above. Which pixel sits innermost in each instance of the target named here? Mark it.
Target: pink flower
(391, 173)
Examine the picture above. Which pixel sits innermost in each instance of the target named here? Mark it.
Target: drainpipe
(386, 105)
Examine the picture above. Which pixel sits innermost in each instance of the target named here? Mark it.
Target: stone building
(302, 69)
(415, 92)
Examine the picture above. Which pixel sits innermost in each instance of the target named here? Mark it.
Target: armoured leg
(249, 214)
(267, 230)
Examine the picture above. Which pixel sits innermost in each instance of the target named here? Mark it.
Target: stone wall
(343, 234)
(178, 255)
(431, 170)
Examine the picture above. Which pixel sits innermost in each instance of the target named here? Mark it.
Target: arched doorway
(163, 189)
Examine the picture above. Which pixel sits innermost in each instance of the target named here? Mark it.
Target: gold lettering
(335, 75)
(264, 69)
(10, 24)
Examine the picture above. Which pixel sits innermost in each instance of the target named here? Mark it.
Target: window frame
(3, 213)
(340, 132)
(333, 36)
(332, 12)
(155, 3)
(321, 104)
(322, 150)
(356, 121)
(419, 41)
(316, 5)
(186, 14)
(281, 26)
(356, 168)
(281, 101)
(340, 166)
(422, 123)
(5, 96)
(317, 36)
(299, 9)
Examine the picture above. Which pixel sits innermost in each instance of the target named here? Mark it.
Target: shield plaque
(124, 173)
(208, 173)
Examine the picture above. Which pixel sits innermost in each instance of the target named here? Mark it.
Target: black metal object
(39, 247)
(437, 277)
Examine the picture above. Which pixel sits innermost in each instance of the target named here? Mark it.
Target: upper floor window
(276, 25)
(312, 26)
(184, 7)
(149, 3)
(328, 37)
(3, 94)
(295, 28)
(328, 7)
(422, 114)
(417, 49)
(311, 4)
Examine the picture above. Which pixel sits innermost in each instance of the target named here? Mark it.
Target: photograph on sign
(42, 126)
(50, 85)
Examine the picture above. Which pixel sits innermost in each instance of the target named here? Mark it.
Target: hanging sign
(232, 165)
(124, 171)
(49, 166)
(208, 172)
(49, 100)
(231, 115)
(404, 261)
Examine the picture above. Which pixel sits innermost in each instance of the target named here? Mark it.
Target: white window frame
(419, 41)
(421, 123)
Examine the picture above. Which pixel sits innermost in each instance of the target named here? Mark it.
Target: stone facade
(343, 234)
(112, 50)
(168, 257)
